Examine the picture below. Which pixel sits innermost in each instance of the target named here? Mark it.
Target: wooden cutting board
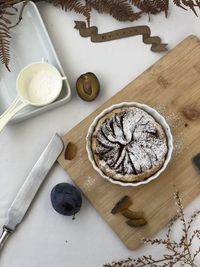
(173, 86)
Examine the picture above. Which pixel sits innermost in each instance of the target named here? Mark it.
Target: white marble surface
(41, 239)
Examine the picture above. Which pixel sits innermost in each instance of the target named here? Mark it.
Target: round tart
(128, 144)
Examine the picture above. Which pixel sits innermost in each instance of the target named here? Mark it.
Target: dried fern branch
(152, 6)
(7, 9)
(178, 253)
(4, 35)
(77, 6)
(188, 4)
(121, 10)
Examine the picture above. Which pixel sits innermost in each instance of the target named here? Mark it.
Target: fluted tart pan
(159, 119)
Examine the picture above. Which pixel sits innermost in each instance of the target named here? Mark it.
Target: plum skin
(66, 199)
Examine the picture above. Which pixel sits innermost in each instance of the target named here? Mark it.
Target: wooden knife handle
(4, 236)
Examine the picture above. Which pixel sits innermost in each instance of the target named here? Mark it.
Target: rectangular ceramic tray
(30, 43)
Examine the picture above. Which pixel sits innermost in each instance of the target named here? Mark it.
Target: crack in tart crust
(129, 145)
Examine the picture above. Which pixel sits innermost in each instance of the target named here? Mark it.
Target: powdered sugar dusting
(174, 121)
(172, 118)
(130, 142)
(89, 184)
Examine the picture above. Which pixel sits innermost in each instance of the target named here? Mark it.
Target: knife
(27, 192)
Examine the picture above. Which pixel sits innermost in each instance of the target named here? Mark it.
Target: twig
(179, 252)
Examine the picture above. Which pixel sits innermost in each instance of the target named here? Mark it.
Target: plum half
(87, 86)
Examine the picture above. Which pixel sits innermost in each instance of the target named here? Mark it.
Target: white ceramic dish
(160, 119)
(30, 43)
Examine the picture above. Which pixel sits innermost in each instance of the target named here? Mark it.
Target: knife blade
(27, 192)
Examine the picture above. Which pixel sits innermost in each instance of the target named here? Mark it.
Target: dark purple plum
(66, 199)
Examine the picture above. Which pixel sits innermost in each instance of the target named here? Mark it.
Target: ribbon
(155, 41)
